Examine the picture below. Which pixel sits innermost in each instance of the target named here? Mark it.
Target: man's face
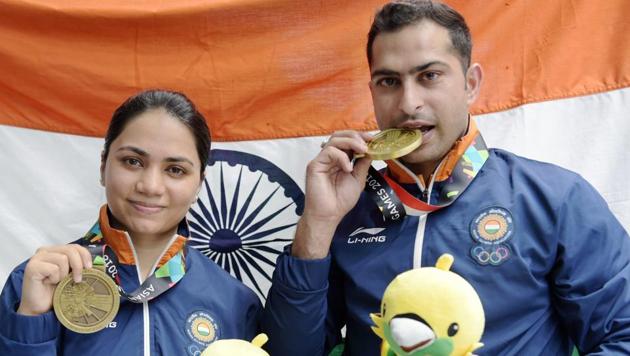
(418, 82)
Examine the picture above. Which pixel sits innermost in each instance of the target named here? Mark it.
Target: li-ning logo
(353, 239)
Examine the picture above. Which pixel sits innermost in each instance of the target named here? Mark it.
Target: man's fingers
(361, 167)
(349, 140)
(366, 136)
(336, 159)
(348, 144)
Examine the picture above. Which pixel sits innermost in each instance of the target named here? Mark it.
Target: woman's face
(151, 175)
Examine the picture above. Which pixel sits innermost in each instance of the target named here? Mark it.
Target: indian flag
(274, 78)
(203, 329)
(492, 227)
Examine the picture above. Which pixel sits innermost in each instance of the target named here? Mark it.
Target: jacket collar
(120, 241)
(445, 168)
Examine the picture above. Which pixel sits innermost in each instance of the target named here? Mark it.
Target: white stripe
(418, 243)
(145, 306)
(587, 134)
(146, 329)
(422, 224)
(146, 317)
(49, 190)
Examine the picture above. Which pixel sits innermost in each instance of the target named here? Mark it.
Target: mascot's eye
(383, 312)
(453, 329)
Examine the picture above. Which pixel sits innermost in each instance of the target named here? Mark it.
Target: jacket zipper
(422, 223)
(425, 194)
(146, 321)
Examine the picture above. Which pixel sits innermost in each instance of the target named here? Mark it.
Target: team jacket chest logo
(367, 235)
(491, 229)
(202, 328)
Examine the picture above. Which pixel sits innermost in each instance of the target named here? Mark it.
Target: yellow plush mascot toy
(430, 311)
(233, 347)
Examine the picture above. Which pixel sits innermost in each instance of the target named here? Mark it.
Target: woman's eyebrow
(137, 150)
(178, 159)
(143, 153)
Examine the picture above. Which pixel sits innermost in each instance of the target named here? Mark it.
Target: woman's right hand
(45, 270)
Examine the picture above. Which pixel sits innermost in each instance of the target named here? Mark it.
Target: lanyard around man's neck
(395, 202)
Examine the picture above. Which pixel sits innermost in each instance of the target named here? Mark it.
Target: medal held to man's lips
(87, 306)
(392, 143)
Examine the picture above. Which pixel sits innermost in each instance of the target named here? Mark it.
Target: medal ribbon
(384, 196)
(159, 282)
(465, 170)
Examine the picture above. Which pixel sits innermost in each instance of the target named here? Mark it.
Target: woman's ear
(203, 177)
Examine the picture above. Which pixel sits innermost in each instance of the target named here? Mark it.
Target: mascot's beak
(411, 332)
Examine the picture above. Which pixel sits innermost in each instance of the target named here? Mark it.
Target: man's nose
(412, 99)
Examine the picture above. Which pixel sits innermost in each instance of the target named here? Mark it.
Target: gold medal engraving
(393, 143)
(88, 306)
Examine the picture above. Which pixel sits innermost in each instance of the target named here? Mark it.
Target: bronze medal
(393, 143)
(88, 306)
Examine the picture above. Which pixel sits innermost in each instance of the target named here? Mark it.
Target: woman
(152, 167)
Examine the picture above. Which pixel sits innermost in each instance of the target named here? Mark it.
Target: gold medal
(88, 306)
(393, 143)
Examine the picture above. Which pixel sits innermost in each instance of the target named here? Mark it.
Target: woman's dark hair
(176, 104)
(398, 14)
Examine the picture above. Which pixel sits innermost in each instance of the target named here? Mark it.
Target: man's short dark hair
(398, 14)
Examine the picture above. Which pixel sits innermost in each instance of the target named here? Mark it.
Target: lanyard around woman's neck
(157, 283)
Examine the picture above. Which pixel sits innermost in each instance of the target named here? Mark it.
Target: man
(548, 259)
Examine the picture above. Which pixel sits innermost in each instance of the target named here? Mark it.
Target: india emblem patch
(202, 328)
(491, 229)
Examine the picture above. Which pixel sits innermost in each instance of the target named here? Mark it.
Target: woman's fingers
(46, 271)
(69, 258)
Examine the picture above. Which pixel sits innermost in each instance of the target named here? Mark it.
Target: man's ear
(102, 169)
(474, 77)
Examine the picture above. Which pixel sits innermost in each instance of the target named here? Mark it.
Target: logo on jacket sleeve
(202, 328)
(491, 229)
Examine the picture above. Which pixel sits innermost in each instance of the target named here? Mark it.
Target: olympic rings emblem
(494, 255)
